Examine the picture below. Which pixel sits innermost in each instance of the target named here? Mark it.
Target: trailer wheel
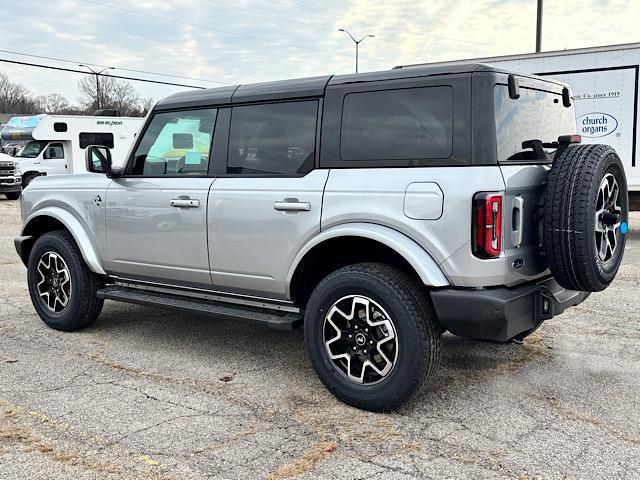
(585, 219)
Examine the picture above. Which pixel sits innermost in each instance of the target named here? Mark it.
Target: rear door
(537, 115)
(267, 198)
(157, 213)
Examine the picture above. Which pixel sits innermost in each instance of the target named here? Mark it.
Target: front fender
(77, 230)
(426, 268)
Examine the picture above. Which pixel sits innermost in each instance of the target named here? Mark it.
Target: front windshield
(32, 149)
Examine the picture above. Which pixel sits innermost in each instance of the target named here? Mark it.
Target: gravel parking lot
(147, 394)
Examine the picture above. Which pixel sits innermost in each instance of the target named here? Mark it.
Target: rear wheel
(12, 195)
(62, 287)
(372, 335)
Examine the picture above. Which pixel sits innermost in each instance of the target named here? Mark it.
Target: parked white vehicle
(10, 177)
(604, 82)
(56, 143)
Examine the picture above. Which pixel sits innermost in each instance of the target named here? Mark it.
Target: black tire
(83, 305)
(570, 238)
(418, 334)
(27, 177)
(12, 195)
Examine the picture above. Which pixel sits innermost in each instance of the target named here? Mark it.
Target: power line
(205, 27)
(62, 69)
(314, 10)
(76, 62)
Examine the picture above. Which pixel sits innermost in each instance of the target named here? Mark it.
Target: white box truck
(56, 143)
(604, 83)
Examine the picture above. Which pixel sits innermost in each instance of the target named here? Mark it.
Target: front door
(157, 212)
(53, 159)
(266, 202)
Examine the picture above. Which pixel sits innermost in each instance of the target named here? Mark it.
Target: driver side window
(176, 143)
(54, 151)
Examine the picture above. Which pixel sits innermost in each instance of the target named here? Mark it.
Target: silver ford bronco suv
(378, 210)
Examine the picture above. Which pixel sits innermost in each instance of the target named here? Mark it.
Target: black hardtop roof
(307, 87)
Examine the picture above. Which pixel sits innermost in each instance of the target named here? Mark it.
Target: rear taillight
(487, 225)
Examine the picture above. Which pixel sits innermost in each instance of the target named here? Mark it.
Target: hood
(76, 181)
(6, 158)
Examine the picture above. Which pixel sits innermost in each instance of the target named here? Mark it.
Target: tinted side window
(404, 124)
(273, 139)
(102, 139)
(54, 151)
(176, 143)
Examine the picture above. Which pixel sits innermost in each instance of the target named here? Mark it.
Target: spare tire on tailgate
(585, 216)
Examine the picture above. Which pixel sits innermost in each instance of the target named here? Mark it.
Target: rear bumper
(500, 314)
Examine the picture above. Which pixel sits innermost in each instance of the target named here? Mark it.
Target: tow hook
(518, 340)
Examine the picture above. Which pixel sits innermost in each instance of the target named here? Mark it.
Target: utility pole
(357, 42)
(539, 28)
(97, 74)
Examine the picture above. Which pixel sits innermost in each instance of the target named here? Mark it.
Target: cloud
(231, 41)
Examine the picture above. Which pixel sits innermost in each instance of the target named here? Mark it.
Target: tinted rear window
(536, 115)
(102, 139)
(273, 139)
(404, 124)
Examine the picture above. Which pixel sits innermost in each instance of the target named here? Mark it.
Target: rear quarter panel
(377, 195)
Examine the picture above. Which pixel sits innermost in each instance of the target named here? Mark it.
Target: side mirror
(98, 159)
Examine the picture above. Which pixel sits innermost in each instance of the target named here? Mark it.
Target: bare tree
(146, 104)
(98, 91)
(54, 103)
(15, 97)
(125, 98)
(107, 92)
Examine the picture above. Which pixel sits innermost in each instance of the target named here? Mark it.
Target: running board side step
(270, 318)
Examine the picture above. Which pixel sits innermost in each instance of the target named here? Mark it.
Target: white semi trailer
(604, 82)
(56, 143)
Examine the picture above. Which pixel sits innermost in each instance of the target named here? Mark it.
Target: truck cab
(45, 157)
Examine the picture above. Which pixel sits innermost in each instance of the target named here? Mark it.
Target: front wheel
(27, 177)
(62, 287)
(372, 335)
(12, 195)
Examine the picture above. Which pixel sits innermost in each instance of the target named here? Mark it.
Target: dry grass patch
(306, 463)
(563, 410)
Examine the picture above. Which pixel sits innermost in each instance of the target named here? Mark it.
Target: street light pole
(97, 74)
(357, 42)
(539, 28)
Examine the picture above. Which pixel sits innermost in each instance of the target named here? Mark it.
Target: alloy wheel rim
(360, 339)
(608, 218)
(54, 282)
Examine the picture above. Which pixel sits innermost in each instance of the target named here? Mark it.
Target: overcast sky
(243, 41)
